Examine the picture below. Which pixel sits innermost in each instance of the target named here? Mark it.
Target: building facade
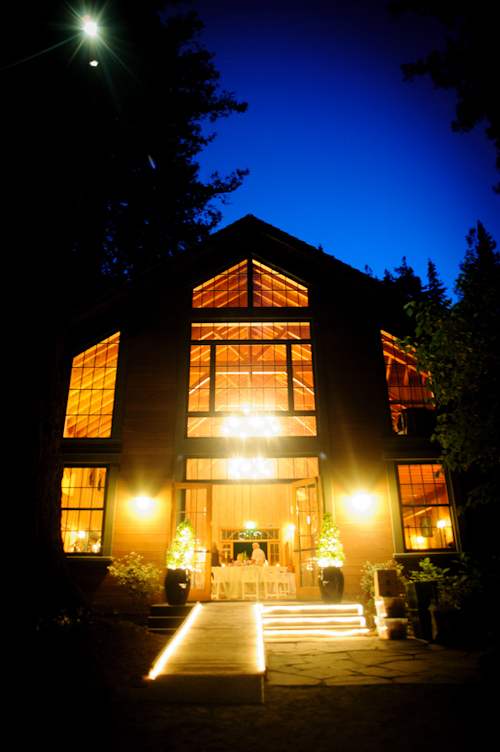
(249, 384)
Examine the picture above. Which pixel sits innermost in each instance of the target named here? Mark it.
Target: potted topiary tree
(330, 559)
(180, 560)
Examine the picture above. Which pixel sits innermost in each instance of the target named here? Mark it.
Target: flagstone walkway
(368, 660)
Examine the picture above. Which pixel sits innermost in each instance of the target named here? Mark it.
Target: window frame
(250, 296)
(108, 508)
(291, 367)
(400, 508)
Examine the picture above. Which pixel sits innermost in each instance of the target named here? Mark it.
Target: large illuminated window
(89, 411)
(83, 492)
(425, 508)
(251, 379)
(250, 283)
(408, 389)
(251, 468)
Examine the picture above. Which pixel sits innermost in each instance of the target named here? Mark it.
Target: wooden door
(193, 501)
(307, 504)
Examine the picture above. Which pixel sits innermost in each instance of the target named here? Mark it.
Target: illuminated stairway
(301, 623)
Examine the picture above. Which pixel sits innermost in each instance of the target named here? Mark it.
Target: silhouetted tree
(435, 289)
(112, 148)
(469, 64)
(404, 280)
(100, 181)
(460, 346)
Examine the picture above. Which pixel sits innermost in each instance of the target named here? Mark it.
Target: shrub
(141, 580)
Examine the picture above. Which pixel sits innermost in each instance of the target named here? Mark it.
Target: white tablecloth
(232, 577)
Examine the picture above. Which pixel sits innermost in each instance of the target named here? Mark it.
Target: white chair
(283, 586)
(218, 583)
(271, 582)
(250, 577)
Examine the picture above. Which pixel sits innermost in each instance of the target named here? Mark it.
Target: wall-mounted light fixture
(142, 502)
(361, 501)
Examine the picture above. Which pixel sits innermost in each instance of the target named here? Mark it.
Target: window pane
(82, 508)
(425, 506)
(253, 425)
(408, 389)
(251, 468)
(303, 381)
(199, 378)
(226, 290)
(272, 289)
(92, 391)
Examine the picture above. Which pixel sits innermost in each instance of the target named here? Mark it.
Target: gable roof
(248, 236)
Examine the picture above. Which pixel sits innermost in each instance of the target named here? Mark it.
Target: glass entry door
(193, 502)
(307, 504)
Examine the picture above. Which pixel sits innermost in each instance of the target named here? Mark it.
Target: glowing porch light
(94, 63)
(142, 502)
(361, 501)
(172, 646)
(250, 525)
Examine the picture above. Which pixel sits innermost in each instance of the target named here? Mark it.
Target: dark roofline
(248, 223)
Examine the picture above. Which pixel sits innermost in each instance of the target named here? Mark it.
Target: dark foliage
(469, 64)
(460, 346)
(116, 144)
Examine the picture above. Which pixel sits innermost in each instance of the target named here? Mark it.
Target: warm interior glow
(425, 507)
(246, 467)
(251, 468)
(408, 389)
(91, 396)
(271, 289)
(250, 525)
(82, 509)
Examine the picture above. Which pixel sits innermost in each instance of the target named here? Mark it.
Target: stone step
(301, 622)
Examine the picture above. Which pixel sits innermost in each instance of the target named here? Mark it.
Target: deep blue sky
(341, 152)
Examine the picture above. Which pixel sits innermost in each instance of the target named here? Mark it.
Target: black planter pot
(331, 584)
(177, 586)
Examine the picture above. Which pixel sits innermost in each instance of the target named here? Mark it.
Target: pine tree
(435, 289)
(459, 345)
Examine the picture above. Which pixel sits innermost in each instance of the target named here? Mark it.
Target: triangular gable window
(269, 289)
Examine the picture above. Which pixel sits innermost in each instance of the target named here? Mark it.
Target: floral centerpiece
(180, 563)
(331, 557)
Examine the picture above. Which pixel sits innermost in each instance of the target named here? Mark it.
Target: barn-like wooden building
(249, 379)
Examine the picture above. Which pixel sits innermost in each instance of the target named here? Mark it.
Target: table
(228, 581)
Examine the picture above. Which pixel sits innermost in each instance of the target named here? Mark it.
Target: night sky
(341, 151)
